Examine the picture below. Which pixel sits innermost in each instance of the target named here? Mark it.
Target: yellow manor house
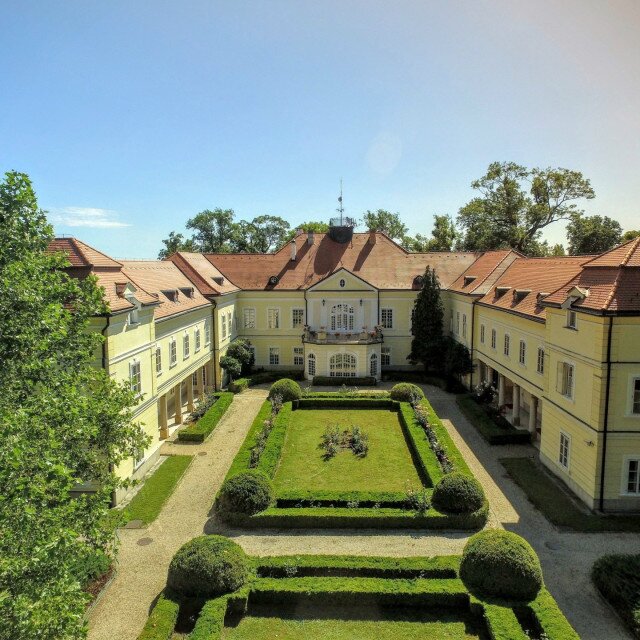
(559, 337)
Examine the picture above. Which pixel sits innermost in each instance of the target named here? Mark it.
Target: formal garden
(350, 460)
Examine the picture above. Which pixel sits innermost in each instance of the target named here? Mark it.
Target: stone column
(516, 405)
(489, 374)
(162, 417)
(533, 414)
(500, 390)
(190, 393)
(210, 376)
(177, 392)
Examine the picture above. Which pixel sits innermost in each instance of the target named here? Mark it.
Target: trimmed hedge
(248, 492)
(309, 393)
(328, 381)
(264, 377)
(202, 429)
(287, 389)
(210, 622)
(457, 493)
(208, 566)
(617, 578)
(162, 619)
(501, 564)
(405, 392)
(488, 429)
(333, 402)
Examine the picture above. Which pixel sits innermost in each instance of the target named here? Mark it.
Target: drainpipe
(606, 415)
(214, 335)
(473, 318)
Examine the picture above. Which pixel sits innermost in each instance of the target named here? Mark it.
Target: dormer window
(520, 294)
(218, 280)
(188, 291)
(500, 291)
(468, 280)
(170, 294)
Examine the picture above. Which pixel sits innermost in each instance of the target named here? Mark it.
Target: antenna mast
(340, 209)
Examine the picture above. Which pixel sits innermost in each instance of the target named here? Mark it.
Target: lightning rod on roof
(340, 209)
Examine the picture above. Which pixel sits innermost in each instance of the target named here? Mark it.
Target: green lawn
(387, 466)
(556, 505)
(383, 626)
(148, 502)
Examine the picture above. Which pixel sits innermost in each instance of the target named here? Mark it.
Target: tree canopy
(385, 221)
(427, 323)
(63, 422)
(592, 234)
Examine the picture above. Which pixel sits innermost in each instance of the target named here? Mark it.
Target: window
(207, 333)
(565, 379)
(482, 333)
(158, 361)
(464, 325)
(223, 317)
(523, 352)
(457, 322)
(297, 318)
(229, 323)
(311, 364)
(540, 367)
(493, 338)
(563, 456)
(249, 318)
(342, 365)
(298, 356)
(204, 377)
(507, 344)
(633, 476)
(342, 284)
(194, 379)
(342, 317)
(273, 318)
(572, 319)
(138, 458)
(373, 365)
(385, 356)
(135, 377)
(635, 399)
(197, 339)
(173, 352)
(132, 318)
(185, 346)
(274, 355)
(386, 316)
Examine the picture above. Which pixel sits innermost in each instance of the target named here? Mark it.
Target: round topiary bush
(501, 564)
(457, 493)
(287, 389)
(248, 492)
(208, 566)
(406, 392)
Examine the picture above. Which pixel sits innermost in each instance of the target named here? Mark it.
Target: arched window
(311, 364)
(342, 317)
(373, 365)
(343, 365)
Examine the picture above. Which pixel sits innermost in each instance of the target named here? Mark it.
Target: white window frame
(540, 360)
(173, 352)
(340, 369)
(506, 350)
(298, 356)
(158, 354)
(373, 365)
(297, 322)
(624, 485)
(385, 354)
(522, 353)
(633, 380)
(567, 382)
(133, 317)
(482, 330)
(342, 317)
(223, 325)
(230, 322)
(138, 462)
(186, 345)
(137, 388)
(494, 339)
(249, 318)
(464, 325)
(311, 368)
(564, 450)
(274, 356)
(197, 341)
(207, 333)
(386, 318)
(273, 318)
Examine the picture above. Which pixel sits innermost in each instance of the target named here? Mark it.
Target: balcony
(322, 336)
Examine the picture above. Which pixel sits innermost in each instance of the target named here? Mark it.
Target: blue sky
(133, 116)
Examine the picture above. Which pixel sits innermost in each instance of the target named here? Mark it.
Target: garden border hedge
(328, 381)
(202, 429)
(263, 377)
(487, 428)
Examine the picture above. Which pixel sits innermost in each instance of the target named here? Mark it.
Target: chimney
(310, 238)
(299, 231)
(372, 237)
(294, 250)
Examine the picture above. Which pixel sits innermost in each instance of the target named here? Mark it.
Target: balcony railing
(322, 336)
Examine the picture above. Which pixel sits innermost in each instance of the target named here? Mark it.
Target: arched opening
(373, 365)
(311, 364)
(342, 317)
(343, 365)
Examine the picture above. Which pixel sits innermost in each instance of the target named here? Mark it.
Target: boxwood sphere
(287, 389)
(405, 392)
(458, 493)
(247, 492)
(208, 566)
(501, 564)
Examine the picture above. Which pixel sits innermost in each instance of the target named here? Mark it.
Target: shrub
(406, 392)
(458, 493)
(502, 564)
(201, 430)
(287, 389)
(208, 566)
(248, 492)
(232, 366)
(239, 385)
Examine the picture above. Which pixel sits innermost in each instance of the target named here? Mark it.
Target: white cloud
(384, 153)
(89, 217)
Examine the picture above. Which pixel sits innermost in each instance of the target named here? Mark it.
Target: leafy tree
(630, 235)
(385, 221)
(239, 349)
(212, 230)
(231, 365)
(558, 250)
(262, 235)
(316, 227)
(63, 422)
(516, 203)
(457, 358)
(444, 233)
(426, 324)
(174, 243)
(417, 243)
(592, 234)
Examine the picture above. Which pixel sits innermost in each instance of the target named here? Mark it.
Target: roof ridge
(104, 255)
(634, 245)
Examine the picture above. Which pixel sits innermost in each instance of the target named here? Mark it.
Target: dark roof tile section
(203, 273)
(484, 272)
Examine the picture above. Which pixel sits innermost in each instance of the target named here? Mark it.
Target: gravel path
(566, 557)
(142, 568)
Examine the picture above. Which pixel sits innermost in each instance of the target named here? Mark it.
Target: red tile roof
(202, 272)
(484, 272)
(81, 254)
(383, 264)
(520, 289)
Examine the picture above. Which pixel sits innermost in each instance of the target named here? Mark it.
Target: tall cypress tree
(426, 325)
